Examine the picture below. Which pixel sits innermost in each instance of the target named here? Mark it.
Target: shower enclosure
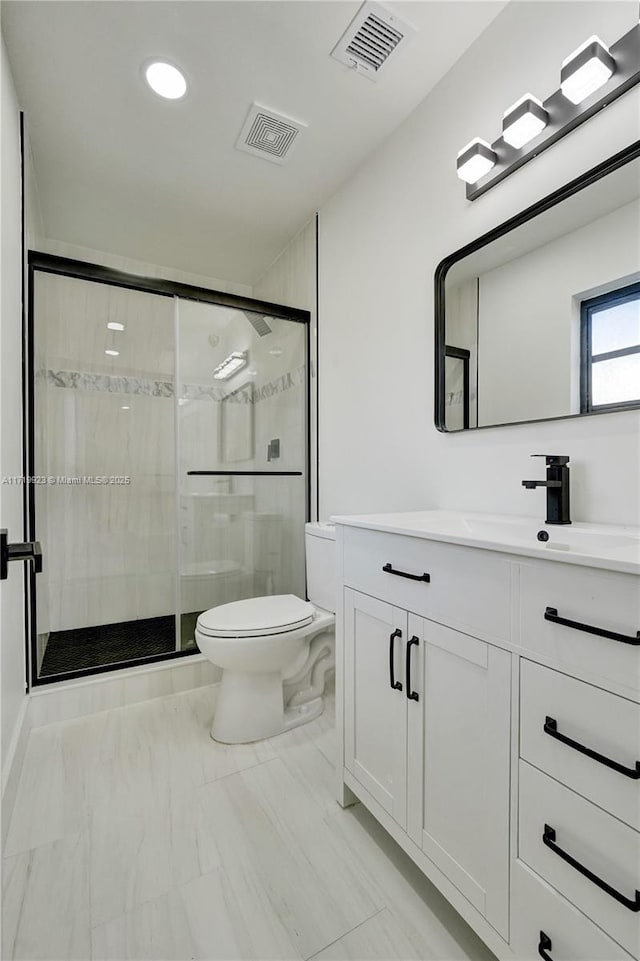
(168, 459)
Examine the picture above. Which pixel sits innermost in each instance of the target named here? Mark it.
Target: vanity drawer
(595, 840)
(539, 913)
(604, 600)
(468, 589)
(592, 718)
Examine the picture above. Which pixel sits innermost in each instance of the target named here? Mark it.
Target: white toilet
(274, 651)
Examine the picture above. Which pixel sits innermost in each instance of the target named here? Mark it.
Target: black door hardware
(396, 685)
(544, 946)
(551, 614)
(388, 569)
(412, 695)
(551, 728)
(557, 484)
(28, 551)
(549, 838)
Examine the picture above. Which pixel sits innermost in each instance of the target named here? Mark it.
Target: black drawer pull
(544, 946)
(411, 695)
(388, 569)
(549, 838)
(551, 728)
(396, 685)
(551, 614)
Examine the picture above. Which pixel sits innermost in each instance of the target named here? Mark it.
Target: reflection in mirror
(547, 314)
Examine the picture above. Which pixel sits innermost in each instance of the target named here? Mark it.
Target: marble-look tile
(381, 938)
(232, 917)
(46, 902)
(142, 831)
(49, 803)
(156, 931)
(259, 825)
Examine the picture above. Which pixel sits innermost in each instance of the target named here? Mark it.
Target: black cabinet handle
(544, 946)
(396, 685)
(411, 695)
(388, 569)
(551, 614)
(549, 838)
(551, 728)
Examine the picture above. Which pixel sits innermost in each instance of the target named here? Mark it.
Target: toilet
(274, 651)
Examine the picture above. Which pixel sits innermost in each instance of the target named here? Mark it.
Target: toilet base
(250, 708)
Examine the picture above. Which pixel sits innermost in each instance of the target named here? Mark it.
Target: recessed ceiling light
(112, 353)
(112, 325)
(125, 408)
(166, 80)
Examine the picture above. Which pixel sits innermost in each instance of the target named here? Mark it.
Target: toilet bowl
(274, 651)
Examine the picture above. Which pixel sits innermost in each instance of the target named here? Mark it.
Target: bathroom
(128, 831)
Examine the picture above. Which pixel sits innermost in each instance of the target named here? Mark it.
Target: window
(610, 350)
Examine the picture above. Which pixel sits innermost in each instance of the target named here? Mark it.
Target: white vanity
(488, 689)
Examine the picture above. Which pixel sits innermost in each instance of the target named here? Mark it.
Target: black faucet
(557, 484)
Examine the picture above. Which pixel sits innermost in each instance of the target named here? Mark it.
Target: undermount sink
(596, 545)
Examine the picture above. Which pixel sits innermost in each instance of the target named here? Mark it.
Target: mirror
(540, 318)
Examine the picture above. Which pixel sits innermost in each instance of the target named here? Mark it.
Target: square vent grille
(370, 39)
(269, 135)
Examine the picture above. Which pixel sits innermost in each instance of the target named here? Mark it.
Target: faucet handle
(553, 460)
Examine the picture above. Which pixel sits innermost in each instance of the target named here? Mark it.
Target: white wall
(381, 238)
(11, 590)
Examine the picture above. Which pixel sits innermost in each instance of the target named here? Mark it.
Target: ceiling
(120, 170)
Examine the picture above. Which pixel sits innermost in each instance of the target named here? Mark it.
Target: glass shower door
(242, 457)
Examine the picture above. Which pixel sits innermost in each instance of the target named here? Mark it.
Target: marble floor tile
(46, 902)
(259, 824)
(381, 938)
(158, 930)
(136, 836)
(232, 918)
(49, 803)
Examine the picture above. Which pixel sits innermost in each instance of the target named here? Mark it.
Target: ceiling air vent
(370, 39)
(269, 135)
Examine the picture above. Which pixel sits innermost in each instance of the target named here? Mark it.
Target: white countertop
(609, 547)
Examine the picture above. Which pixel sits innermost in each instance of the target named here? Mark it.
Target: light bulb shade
(475, 160)
(523, 121)
(586, 70)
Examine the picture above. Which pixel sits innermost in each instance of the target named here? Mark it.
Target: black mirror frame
(632, 152)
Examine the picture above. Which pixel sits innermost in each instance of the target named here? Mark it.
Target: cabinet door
(459, 793)
(375, 636)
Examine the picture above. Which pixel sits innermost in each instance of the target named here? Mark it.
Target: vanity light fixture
(112, 325)
(166, 80)
(475, 160)
(523, 121)
(591, 78)
(586, 70)
(112, 353)
(124, 407)
(234, 362)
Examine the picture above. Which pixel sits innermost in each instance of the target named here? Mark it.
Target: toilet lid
(256, 616)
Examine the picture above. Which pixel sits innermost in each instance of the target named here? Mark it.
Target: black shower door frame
(81, 270)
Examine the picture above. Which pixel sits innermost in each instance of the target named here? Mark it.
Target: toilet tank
(320, 547)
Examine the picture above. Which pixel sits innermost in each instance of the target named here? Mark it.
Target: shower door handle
(27, 551)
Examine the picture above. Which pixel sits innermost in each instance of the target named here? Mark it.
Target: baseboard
(72, 699)
(12, 763)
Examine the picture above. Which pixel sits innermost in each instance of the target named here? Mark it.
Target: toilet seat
(257, 617)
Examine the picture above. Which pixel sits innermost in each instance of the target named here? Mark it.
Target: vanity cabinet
(497, 743)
